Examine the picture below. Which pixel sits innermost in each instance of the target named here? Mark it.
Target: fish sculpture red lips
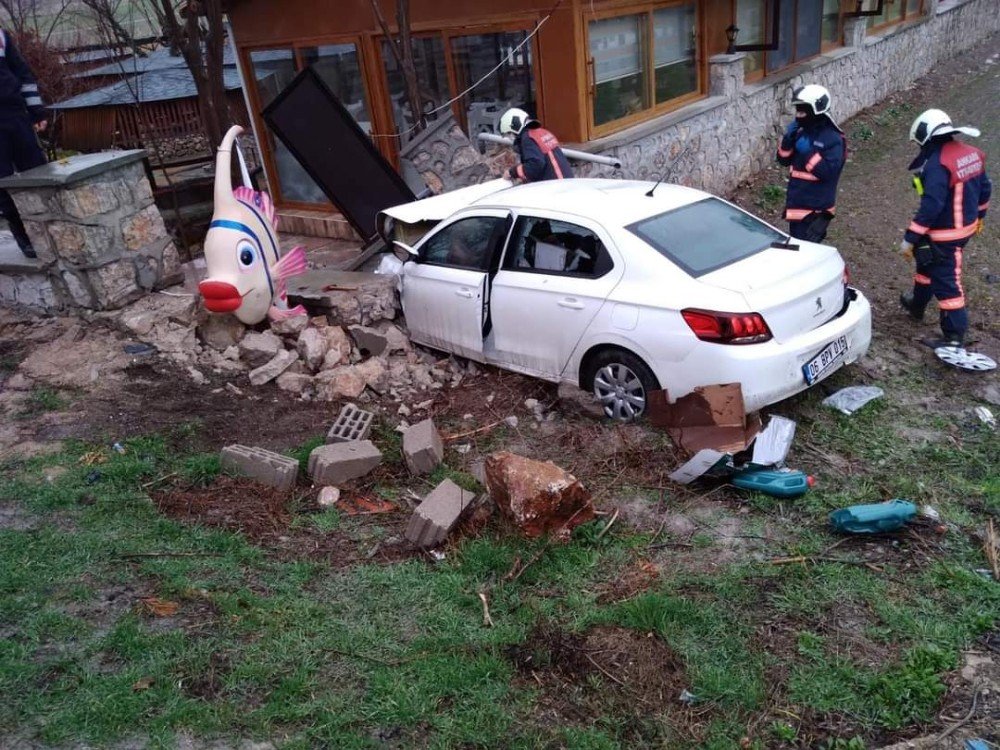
(219, 296)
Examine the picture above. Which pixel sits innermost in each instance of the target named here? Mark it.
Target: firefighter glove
(906, 249)
(804, 144)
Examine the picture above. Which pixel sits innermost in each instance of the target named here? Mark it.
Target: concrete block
(352, 424)
(423, 448)
(261, 465)
(341, 462)
(437, 515)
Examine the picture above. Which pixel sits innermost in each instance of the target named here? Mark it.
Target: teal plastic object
(873, 519)
(774, 482)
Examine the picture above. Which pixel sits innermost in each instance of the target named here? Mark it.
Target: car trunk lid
(795, 290)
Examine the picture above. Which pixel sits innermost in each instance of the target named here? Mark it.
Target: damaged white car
(624, 288)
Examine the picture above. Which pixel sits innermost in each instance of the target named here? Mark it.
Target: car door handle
(571, 303)
(466, 293)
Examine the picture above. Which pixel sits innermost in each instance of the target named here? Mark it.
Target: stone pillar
(725, 75)
(99, 237)
(855, 31)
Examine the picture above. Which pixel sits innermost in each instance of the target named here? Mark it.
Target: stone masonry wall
(717, 142)
(101, 241)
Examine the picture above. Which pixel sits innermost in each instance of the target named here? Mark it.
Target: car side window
(468, 243)
(556, 247)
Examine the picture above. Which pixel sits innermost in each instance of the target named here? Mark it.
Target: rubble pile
(352, 348)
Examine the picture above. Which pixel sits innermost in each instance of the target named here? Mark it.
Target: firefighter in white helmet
(950, 178)
(541, 157)
(813, 148)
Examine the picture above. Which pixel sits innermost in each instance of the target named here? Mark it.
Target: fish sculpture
(247, 275)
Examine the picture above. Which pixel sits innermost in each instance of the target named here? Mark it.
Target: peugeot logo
(819, 307)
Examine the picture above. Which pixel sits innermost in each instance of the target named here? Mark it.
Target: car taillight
(727, 328)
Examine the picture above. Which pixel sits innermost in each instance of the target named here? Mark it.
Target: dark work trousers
(941, 277)
(812, 228)
(19, 152)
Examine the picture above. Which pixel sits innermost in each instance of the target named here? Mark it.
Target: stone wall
(100, 240)
(715, 143)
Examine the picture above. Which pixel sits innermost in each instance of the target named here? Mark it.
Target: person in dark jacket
(954, 194)
(21, 117)
(541, 157)
(814, 149)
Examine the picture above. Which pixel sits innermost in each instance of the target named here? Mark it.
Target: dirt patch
(606, 670)
(281, 522)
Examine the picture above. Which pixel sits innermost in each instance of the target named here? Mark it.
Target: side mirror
(403, 251)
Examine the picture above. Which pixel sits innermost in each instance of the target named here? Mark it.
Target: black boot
(906, 302)
(951, 341)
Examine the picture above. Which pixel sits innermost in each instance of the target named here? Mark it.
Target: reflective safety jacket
(541, 157)
(813, 175)
(956, 192)
(18, 89)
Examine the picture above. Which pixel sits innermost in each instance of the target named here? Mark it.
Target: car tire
(621, 381)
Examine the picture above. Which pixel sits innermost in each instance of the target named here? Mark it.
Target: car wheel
(621, 382)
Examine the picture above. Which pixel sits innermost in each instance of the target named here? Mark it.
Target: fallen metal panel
(324, 138)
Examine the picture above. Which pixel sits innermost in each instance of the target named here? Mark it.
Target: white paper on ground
(703, 460)
(772, 444)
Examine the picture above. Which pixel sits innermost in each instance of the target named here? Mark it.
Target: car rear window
(705, 236)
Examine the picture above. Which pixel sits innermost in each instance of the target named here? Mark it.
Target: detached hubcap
(620, 392)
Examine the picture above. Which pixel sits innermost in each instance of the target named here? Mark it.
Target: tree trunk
(413, 94)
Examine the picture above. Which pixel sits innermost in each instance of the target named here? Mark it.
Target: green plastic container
(875, 518)
(775, 482)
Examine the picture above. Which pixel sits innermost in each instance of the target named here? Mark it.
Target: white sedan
(625, 290)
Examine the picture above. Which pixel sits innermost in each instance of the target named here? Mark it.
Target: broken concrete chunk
(221, 331)
(370, 342)
(257, 349)
(437, 515)
(352, 424)
(351, 298)
(423, 448)
(292, 326)
(328, 497)
(350, 381)
(294, 382)
(261, 465)
(338, 351)
(312, 346)
(268, 372)
(341, 462)
(537, 497)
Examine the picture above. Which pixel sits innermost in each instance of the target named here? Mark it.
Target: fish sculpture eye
(246, 254)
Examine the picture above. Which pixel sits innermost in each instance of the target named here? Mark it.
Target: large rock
(349, 381)
(221, 331)
(257, 349)
(536, 496)
(291, 326)
(338, 350)
(269, 371)
(294, 382)
(349, 298)
(312, 346)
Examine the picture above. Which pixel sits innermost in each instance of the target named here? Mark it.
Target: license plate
(831, 354)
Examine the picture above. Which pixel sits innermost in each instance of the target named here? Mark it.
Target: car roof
(618, 202)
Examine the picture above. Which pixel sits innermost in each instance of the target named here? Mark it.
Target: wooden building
(593, 68)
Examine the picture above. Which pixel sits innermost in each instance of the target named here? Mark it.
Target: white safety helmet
(814, 96)
(935, 122)
(513, 121)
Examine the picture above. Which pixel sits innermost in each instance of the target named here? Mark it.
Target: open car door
(446, 287)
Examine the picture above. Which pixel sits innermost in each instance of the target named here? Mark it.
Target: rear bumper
(772, 371)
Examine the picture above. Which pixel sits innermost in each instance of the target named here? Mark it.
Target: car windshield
(705, 236)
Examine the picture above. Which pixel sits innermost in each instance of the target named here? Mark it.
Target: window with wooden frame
(450, 61)
(893, 12)
(338, 64)
(643, 61)
(805, 29)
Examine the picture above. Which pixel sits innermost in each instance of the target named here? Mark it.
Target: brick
(423, 449)
(352, 424)
(261, 465)
(341, 462)
(437, 515)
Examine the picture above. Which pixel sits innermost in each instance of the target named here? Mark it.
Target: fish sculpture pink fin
(281, 311)
(261, 200)
(292, 263)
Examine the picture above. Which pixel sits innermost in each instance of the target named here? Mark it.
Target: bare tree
(402, 52)
(195, 28)
(24, 17)
(107, 16)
